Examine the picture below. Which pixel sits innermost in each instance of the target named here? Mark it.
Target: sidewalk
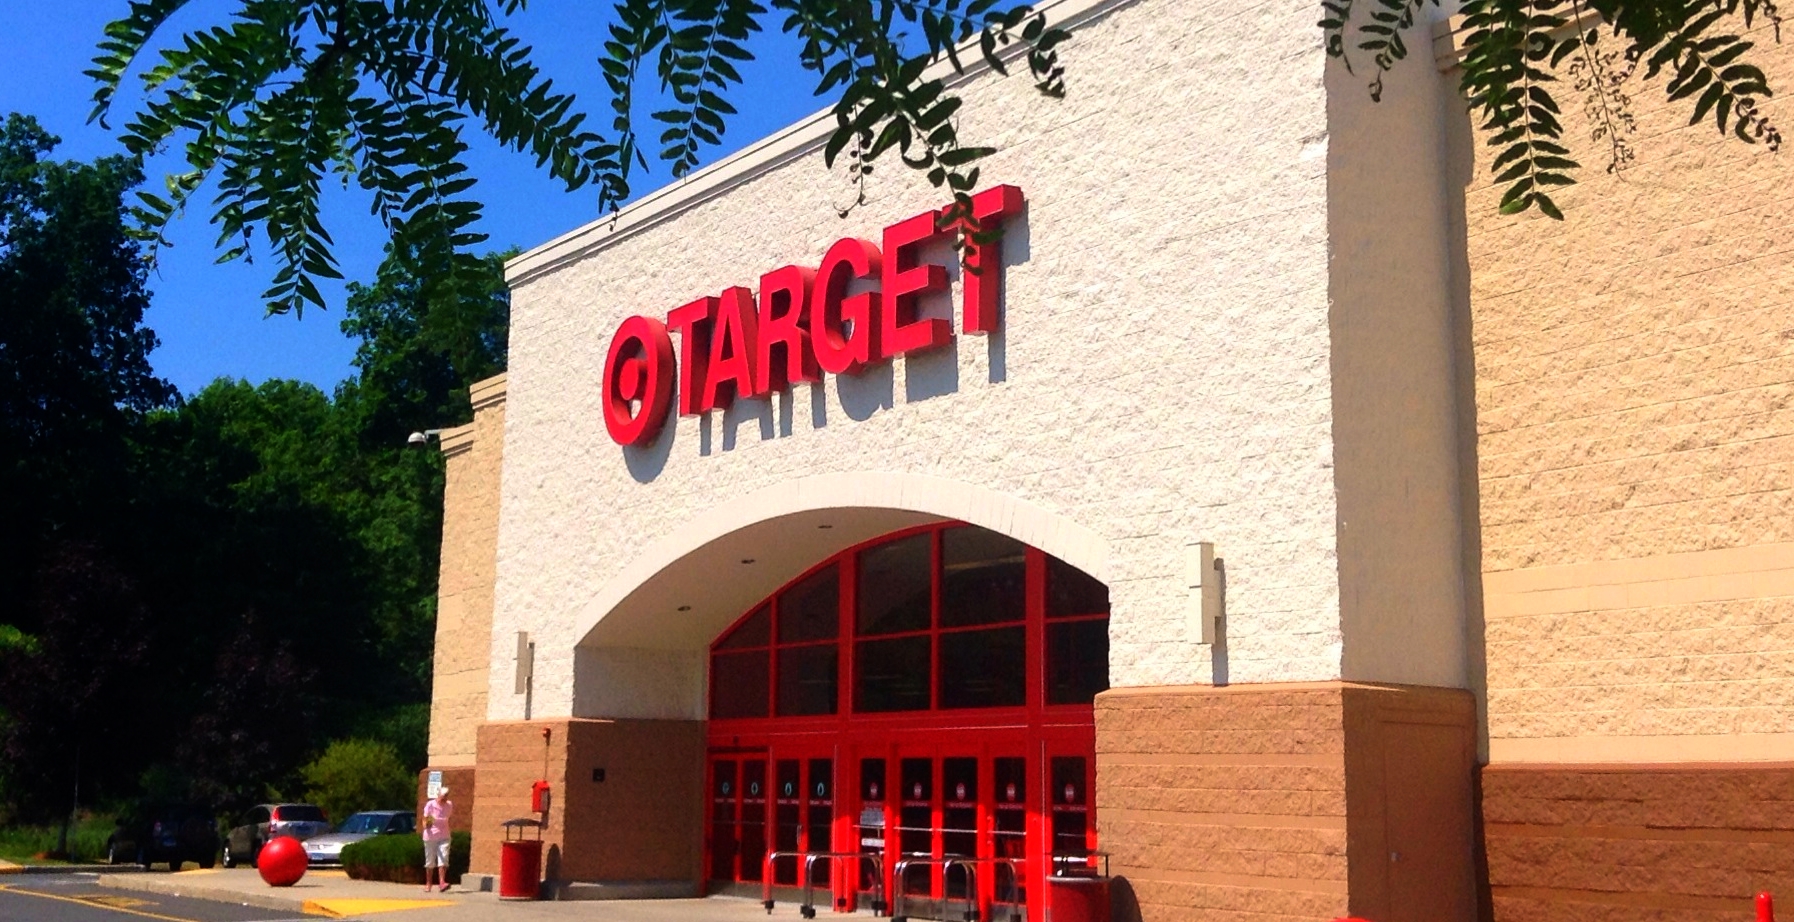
(333, 894)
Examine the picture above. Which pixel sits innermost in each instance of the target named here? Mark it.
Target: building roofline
(798, 140)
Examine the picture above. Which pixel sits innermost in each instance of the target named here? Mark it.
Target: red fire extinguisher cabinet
(520, 861)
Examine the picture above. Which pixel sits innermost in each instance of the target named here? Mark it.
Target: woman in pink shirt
(437, 811)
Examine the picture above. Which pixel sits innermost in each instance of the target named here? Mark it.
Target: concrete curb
(171, 885)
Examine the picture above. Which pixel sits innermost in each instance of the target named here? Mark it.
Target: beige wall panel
(468, 569)
(1635, 424)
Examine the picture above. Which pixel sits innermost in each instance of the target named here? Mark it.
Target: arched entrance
(922, 695)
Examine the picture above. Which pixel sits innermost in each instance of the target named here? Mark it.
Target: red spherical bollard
(282, 862)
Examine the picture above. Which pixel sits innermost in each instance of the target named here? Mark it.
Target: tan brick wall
(473, 454)
(643, 822)
(1635, 422)
(460, 783)
(1268, 802)
(512, 756)
(1688, 843)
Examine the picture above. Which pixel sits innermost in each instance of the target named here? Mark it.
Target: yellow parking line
(339, 908)
(70, 899)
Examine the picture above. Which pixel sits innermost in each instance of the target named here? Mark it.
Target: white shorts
(436, 853)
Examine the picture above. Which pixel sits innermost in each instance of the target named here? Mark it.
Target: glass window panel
(753, 819)
(754, 631)
(738, 684)
(982, 577)
(893, 675)
(915, 820)
(895, 584)
(872, 786)
(811, 610)
(1070, 807)
(1077, 661)
(1071, 591)
(981, 669)
(807, 677)
(787, 796)
(1011, 813)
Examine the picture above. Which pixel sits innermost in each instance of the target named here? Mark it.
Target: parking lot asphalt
(79, 898)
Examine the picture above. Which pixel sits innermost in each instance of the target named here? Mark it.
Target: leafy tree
(62, 688)
(74, 380)
(421, 349)
(74, 356)
(288, 91)
(1513, 49)
(354, 775)
(255, 723)
(252, 569)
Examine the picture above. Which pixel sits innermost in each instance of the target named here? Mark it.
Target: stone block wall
(1624, 843)
(1278, 803)
(1635, 440)
(459, 781)
(1635, 444)
(642, 822)
(512, 756)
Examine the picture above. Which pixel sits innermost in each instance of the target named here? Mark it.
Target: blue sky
(209, 317)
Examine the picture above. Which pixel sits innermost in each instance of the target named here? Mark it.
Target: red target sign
(638, 381)
(804, 322)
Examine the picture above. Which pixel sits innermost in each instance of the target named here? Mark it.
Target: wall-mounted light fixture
(1203, 577)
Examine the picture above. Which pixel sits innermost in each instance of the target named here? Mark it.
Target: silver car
(267, 822)
(328, 848)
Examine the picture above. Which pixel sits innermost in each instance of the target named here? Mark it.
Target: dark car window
(368, 823)
(300, 813)
(404, 822)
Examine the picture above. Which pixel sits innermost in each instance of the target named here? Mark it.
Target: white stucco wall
(1162, 378)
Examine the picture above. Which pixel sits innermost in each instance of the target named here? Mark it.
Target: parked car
(153, 833)
(267, 822)
(328, 848)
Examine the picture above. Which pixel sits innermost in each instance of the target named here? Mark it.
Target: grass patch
(87, 841)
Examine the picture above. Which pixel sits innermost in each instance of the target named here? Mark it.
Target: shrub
(87, 840)
(400, 858)
(356, 775)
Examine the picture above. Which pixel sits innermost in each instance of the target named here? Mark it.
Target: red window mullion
(1034, 615)
(847, 636)
(934, 622)
(772, 656)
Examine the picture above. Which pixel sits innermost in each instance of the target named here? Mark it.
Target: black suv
(153, 833)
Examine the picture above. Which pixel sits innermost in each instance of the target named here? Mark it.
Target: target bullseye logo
(638, 381)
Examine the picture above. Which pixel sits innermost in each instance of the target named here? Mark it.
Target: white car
(328, 848)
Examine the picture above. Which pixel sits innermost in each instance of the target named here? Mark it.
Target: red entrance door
(925, 700)
(957, 819)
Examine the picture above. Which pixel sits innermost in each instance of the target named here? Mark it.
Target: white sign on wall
(433, 786)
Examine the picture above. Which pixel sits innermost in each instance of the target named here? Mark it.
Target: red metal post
(1765, 907)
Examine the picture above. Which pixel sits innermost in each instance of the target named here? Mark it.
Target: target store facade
(1165, 533)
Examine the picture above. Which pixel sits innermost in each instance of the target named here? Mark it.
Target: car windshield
(364, 823)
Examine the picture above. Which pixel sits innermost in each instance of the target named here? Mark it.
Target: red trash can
(1077, 897)
(520, 863)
